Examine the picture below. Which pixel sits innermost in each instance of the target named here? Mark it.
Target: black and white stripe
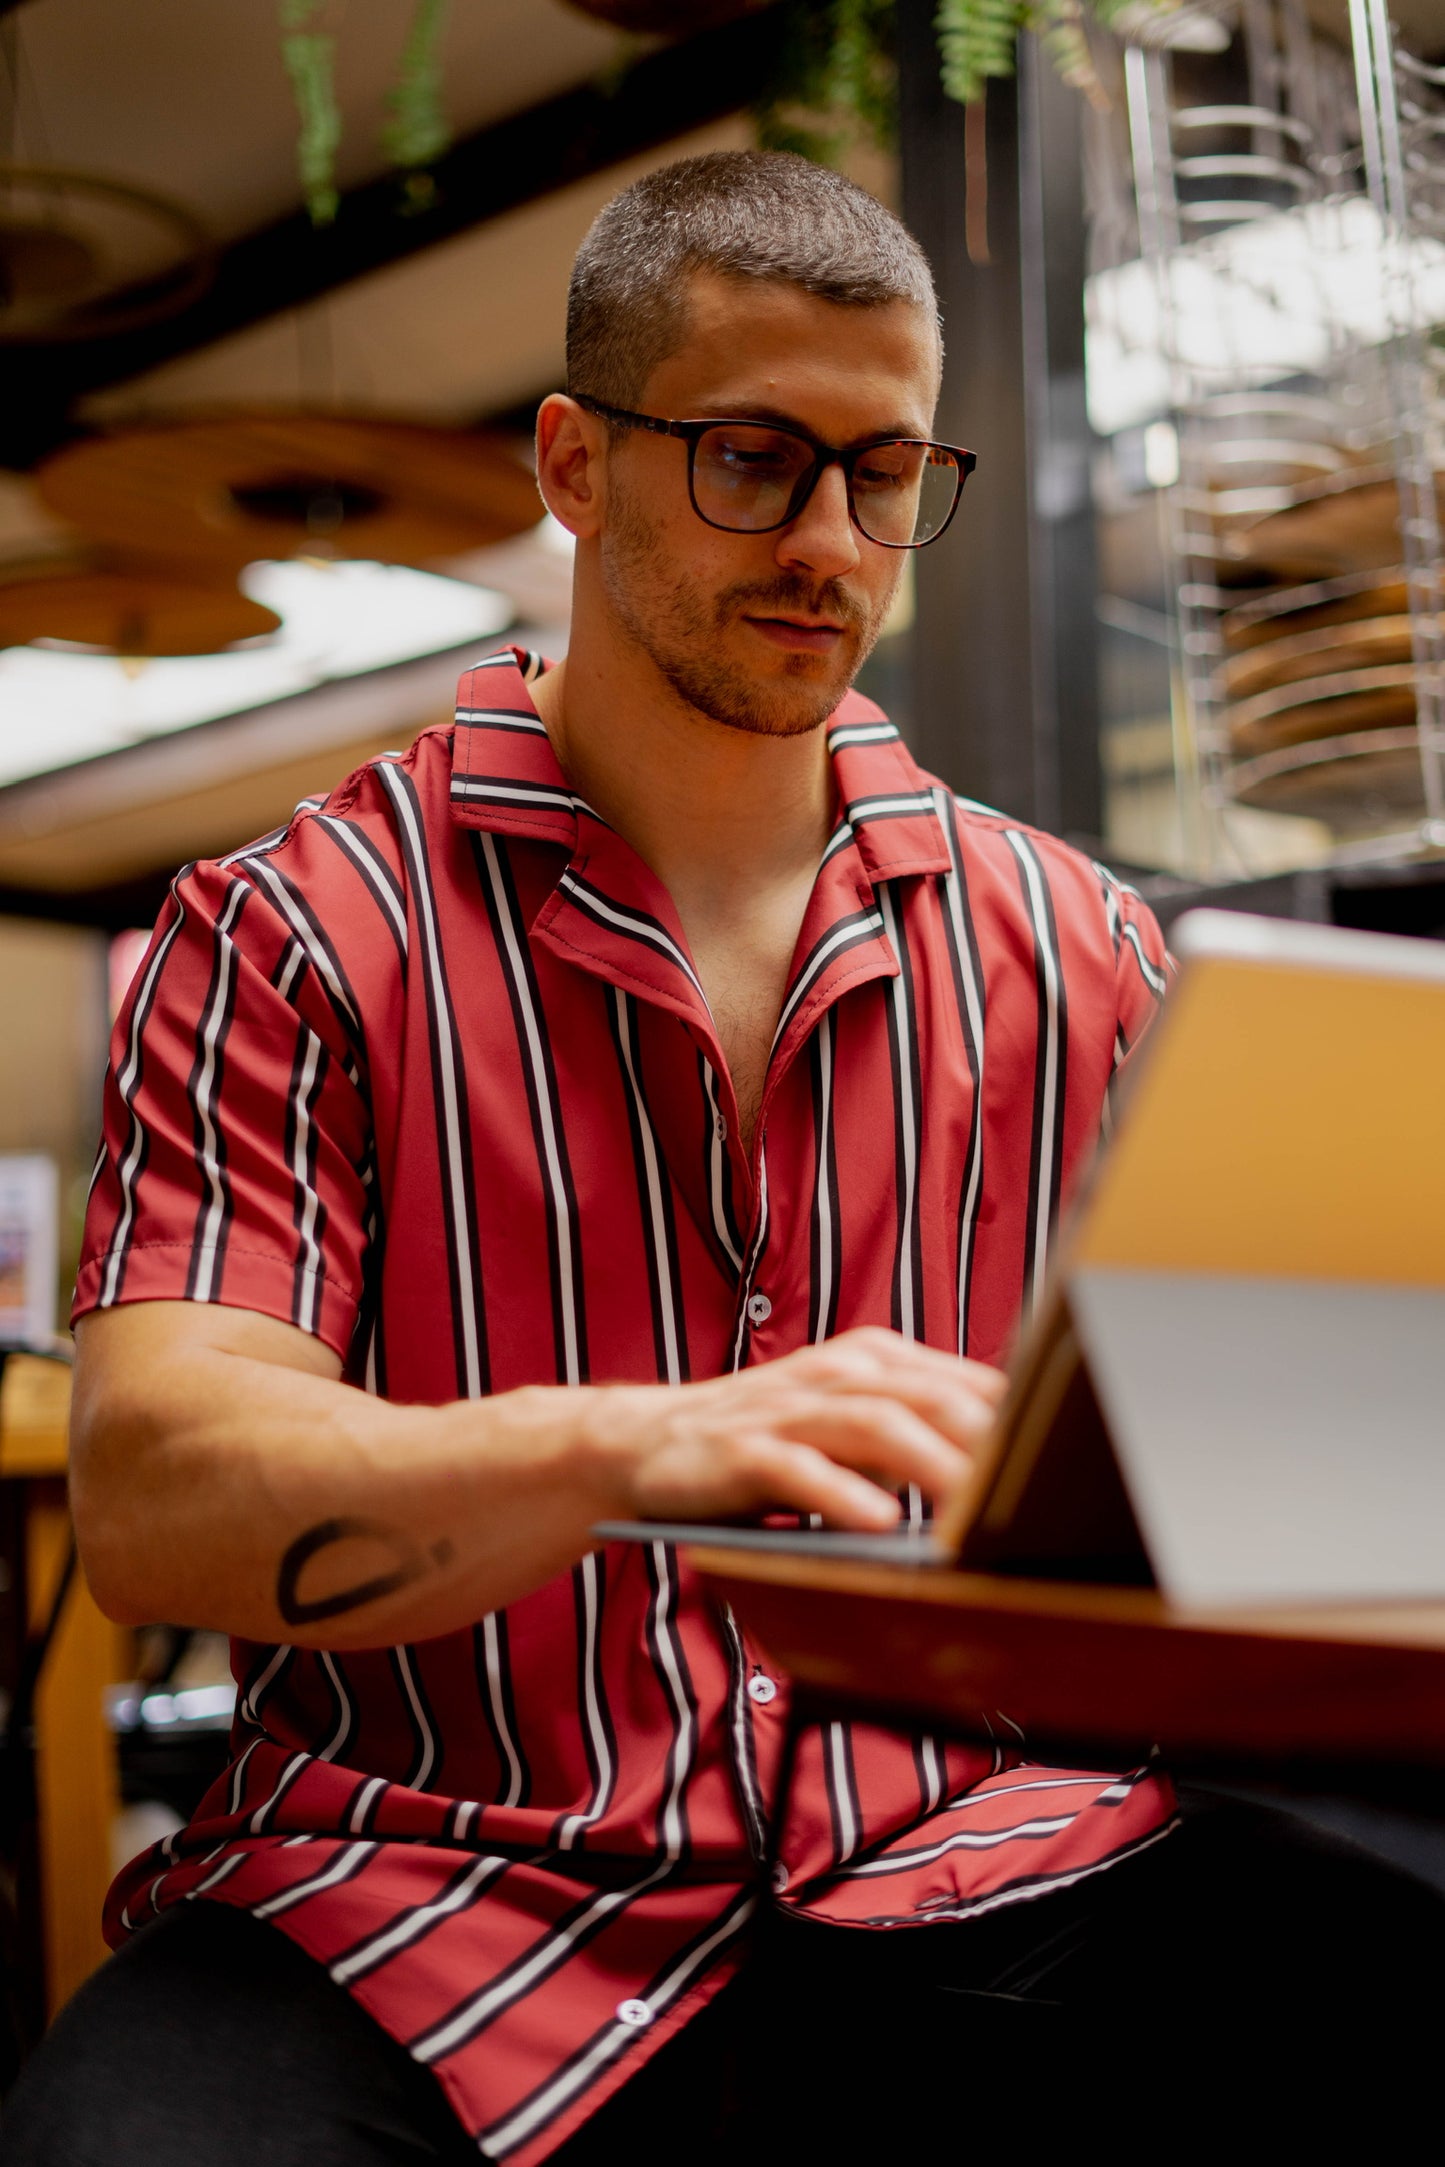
(669, 1661)
(454, 1128)
(638, 925)
(654, 1189)
(343, 1707)
(846, 933)
(127, 1079)
(969, 991)
(903, 1056)
(582, 2069)
(262, 1816)
(903, 805)
(840, 1781)
(425, 1761)
(740, 1734)
(599, 1740)
(349, 1861)
(302, 1146)
(571, 1932)
(670, 1345)
(263, 1682)
(510, 795)
(754, 1257)
(840, 838)
(501, 718)
(321, 952)
(208, 1246)
(366, 1803)
(825, 1236)
(466, 1888)
(492, 1661)
(1046, 1147)
(290, 964)
(564, 1239)
(376, 875)
(1020, 1891)
(719, 1169)
(860, 733)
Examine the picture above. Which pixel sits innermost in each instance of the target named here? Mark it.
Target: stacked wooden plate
(1319, 683)
(1318, 688)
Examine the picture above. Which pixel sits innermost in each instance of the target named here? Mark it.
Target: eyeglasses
(752, 477)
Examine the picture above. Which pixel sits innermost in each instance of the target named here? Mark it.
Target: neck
(716, 813)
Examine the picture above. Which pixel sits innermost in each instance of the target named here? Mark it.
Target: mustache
(763, 597)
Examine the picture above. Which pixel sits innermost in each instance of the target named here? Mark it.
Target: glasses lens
(745, 477)
(903, 492)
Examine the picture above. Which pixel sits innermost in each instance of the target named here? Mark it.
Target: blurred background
(281, 284)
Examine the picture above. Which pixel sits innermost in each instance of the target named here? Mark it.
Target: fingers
(869, 1351)
(783, 1475)
(878, 1437)
(958, 1400)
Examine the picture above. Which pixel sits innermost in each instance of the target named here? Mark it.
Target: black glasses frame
(824, 455)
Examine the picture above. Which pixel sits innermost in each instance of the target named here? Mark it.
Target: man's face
(763, 632)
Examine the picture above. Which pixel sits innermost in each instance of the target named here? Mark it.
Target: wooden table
(76, 1766)
(1352, 1696)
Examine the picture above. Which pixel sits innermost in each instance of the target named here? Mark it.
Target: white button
(636, 2013)
(780, 1878)
(761, 1689)
(759, 1309)
(720, 1128)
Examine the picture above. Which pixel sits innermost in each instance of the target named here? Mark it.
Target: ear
(571, 464)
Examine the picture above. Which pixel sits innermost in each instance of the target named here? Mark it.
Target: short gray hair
(746, 214)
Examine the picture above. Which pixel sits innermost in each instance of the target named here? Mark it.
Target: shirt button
(636, 2013)
(761, 1689)
(720, 1128)
(759, 1309)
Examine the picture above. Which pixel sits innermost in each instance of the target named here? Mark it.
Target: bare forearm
(222, 1475)
(277, 1505)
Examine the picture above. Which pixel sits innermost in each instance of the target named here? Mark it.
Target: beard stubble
(680, 628)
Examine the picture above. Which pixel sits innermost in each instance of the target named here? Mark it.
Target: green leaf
(417, 133)
(309, 57)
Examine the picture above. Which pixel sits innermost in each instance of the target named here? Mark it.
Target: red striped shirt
(430, 1074)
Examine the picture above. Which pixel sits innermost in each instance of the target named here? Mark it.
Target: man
(653, 1097)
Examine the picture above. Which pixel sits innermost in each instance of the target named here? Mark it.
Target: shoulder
(341, 865)
(1019, 878)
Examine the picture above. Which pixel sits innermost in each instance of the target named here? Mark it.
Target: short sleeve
(1143, 966)
(235, 1156)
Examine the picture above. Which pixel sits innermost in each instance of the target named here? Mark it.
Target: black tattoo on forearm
(413, 1561)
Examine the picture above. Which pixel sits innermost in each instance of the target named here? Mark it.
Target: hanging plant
(833, 81)
(308, 52)
(415, 132)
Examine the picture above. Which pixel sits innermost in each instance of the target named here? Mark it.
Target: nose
(822, 538)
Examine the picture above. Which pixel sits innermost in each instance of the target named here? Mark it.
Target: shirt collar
(506, 778)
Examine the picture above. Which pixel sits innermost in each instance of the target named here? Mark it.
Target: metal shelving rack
(1291, 235)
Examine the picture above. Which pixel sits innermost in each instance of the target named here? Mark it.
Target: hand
(832, 1429)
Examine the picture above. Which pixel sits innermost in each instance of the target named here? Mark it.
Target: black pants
(1247, 1980)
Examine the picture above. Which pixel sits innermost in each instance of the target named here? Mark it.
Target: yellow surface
(34, 1411)
(75, 1760)
(1289, 1123)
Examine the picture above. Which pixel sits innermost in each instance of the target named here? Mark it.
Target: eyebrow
(754, 410)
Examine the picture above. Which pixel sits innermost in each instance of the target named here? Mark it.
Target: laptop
(1233, 1387)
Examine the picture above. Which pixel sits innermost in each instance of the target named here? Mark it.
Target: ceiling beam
(500, 168)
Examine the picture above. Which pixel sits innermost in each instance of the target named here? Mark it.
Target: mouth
(800, 635)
